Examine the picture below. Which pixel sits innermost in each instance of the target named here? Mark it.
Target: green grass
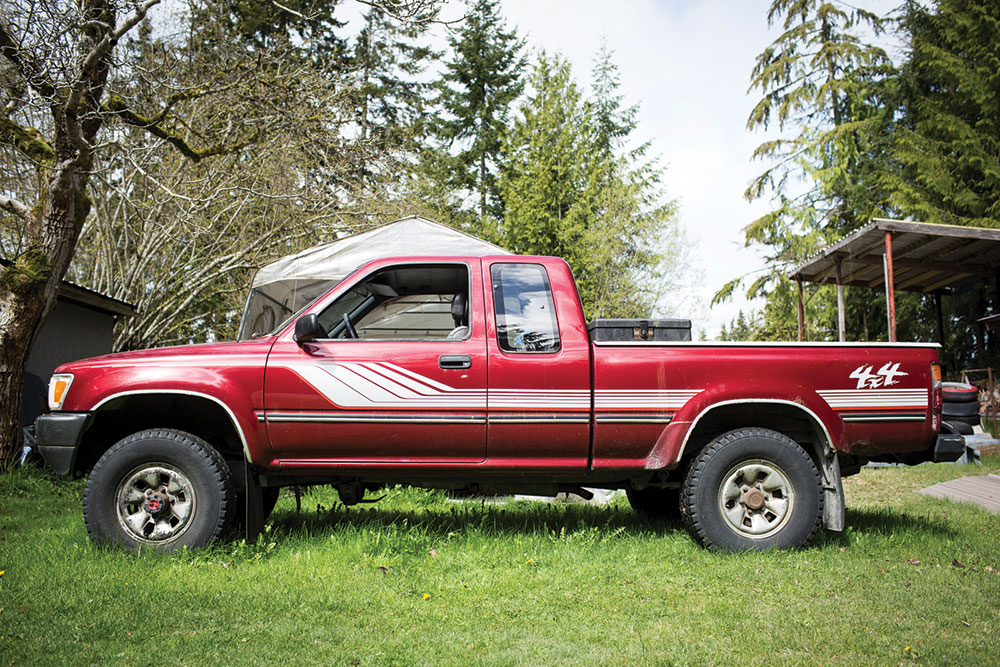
(416, 579)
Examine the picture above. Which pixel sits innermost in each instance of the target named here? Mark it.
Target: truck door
(539, 368)
(400, 377)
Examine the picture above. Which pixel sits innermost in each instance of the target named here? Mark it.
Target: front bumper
(58, 437)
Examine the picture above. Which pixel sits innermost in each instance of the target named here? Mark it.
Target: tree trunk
(29, 285)
(27, 292)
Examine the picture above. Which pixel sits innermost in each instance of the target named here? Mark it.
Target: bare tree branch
(17, 208)
(101, 50)
(30, 71)
(118, 107)
(27, 140)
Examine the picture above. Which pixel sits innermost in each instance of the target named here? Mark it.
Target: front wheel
(752, 489)
(159, 489)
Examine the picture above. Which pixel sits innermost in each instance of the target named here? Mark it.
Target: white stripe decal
(642, 398)
(870, 398)
(386, 385)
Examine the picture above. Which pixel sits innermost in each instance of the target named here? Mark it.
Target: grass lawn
(416, 579)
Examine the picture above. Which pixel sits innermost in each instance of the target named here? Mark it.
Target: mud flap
(254, 504)
(834, 514)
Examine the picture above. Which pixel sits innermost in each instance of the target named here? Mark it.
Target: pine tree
(827, 88)
(308, 25)
(549, 196)
(388, 96)
(573, 190)
(948, 141)
(482, 80)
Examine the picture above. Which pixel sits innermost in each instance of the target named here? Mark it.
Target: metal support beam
(802, 312)
(841, 318)
(890, 290)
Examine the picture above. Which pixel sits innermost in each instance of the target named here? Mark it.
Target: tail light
(936, 396)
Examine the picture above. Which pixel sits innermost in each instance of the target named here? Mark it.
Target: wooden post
(940, 317)
(890, 288)
(841, 318)
(802, 311)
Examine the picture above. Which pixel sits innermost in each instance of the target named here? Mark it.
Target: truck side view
(481, 373)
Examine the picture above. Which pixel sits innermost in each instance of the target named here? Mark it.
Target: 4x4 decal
(883, 377)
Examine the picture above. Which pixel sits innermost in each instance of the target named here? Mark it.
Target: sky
(687, 65)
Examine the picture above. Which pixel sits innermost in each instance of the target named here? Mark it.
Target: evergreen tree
(572, 190)
(481, 82)
(827, 87)
(308, 25)
(388, 96)
(948, 141)
(549, 194)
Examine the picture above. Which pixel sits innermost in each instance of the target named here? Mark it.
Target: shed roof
(95, 300)
(926, 257)
(88, 298)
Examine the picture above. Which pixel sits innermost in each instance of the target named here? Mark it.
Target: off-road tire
(655, 503)
(960, 409)
(974, 420)
(193, 469)
(959, 392)
(718, 470)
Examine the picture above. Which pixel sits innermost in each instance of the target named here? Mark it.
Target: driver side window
(416, 302)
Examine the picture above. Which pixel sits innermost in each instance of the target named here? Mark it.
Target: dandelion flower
(427, 596)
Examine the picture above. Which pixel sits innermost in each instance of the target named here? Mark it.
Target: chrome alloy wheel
(756, 499)
(155, 503)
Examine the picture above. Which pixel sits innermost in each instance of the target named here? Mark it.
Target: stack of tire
(961, 407)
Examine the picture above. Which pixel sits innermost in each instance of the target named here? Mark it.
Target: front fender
(234, 384)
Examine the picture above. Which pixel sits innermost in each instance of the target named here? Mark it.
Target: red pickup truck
(481, 373)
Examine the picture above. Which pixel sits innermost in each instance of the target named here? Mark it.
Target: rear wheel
(752, 489)
(159, 489)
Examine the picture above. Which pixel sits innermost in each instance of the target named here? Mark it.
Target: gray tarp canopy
(284, 287)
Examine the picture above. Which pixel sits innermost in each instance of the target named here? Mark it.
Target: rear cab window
(524, 310)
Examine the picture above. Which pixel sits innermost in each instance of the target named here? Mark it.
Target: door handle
(454, 361)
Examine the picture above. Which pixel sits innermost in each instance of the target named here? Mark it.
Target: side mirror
(308, 328)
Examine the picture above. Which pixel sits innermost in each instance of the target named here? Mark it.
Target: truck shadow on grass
(520, 518)
(886, 523)
(567, 521)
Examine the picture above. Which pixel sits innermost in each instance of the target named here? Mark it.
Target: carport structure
(901, 255)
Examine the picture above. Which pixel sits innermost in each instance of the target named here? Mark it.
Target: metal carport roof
(925, 257)
(902, 255)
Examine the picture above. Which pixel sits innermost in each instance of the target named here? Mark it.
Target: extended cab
(481, 373)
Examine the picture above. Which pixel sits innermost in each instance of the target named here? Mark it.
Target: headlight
(58, 388)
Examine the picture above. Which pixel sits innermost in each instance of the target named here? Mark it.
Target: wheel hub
(155, 503)
(756, 499)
